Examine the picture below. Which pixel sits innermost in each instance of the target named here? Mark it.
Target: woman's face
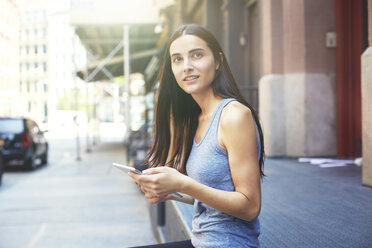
(193, 64)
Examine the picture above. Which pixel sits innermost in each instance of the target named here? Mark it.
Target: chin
(195, 89)
(190, 90)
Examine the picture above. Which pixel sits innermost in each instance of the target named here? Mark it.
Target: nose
(187, 65)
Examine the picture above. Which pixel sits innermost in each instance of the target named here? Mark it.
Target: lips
(191, 78)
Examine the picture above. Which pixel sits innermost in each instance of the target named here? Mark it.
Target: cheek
(175, 72)
(208, 69)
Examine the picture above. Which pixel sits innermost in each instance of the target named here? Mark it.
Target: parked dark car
(23, 141)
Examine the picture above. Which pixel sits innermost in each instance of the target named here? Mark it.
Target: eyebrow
(191, 51)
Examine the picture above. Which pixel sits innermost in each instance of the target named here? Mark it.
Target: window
(35, 65)
(35, 31)
(27, 49)
(35, 49)
(45, 66)
(11, 125)
(36, 15)
(27, 14)
(44, 48)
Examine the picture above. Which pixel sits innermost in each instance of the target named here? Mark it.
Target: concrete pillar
(297, 91)
(367, 105)
(271, 85)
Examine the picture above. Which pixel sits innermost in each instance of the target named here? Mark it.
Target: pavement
(72, 203)
(304, 205)
(89, 203)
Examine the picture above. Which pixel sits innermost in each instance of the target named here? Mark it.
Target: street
(70, 203)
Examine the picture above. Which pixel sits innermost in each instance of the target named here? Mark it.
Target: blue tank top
(208, 164)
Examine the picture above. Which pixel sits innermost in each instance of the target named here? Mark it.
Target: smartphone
(127, 168)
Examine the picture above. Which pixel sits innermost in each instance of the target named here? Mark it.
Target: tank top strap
(213, 125)
(217, 116)
(221, 106)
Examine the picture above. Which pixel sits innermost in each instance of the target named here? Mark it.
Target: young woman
(208, 144)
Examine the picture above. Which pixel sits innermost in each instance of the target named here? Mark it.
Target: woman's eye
(198, 55)
(177, 59)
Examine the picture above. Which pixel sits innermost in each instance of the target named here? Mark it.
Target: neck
(207, 102)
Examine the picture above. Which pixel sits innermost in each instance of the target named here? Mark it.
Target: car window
(11, 125)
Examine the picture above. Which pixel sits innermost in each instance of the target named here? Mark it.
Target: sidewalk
(307, 206)
(88, 203)
(304, 205)
(78, 204)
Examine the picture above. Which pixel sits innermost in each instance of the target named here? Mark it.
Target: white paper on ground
(326, 162)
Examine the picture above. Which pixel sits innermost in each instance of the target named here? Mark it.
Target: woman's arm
(237, 134)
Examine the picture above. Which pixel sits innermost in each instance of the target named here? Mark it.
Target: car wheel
(29, 163)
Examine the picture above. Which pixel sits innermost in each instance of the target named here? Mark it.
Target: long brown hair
(177, 111)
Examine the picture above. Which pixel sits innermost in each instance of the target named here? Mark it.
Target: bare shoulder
(236, 125)
(235, 114)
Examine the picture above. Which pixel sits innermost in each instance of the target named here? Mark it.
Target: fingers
(153, 183)
(141, 179)
(154, 200)
(151, 171)
(134, 176)
(155, 170)
(149, 194)
(157, 199)
(145, 183)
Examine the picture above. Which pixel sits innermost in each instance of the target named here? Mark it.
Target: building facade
(9, 58)
(299, 65)
(50, 53)
(34, 58)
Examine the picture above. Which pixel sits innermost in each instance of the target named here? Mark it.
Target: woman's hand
(159, 183)
(155, 199)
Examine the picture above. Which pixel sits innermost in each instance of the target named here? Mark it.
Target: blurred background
(98, 60)
(86, 72)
